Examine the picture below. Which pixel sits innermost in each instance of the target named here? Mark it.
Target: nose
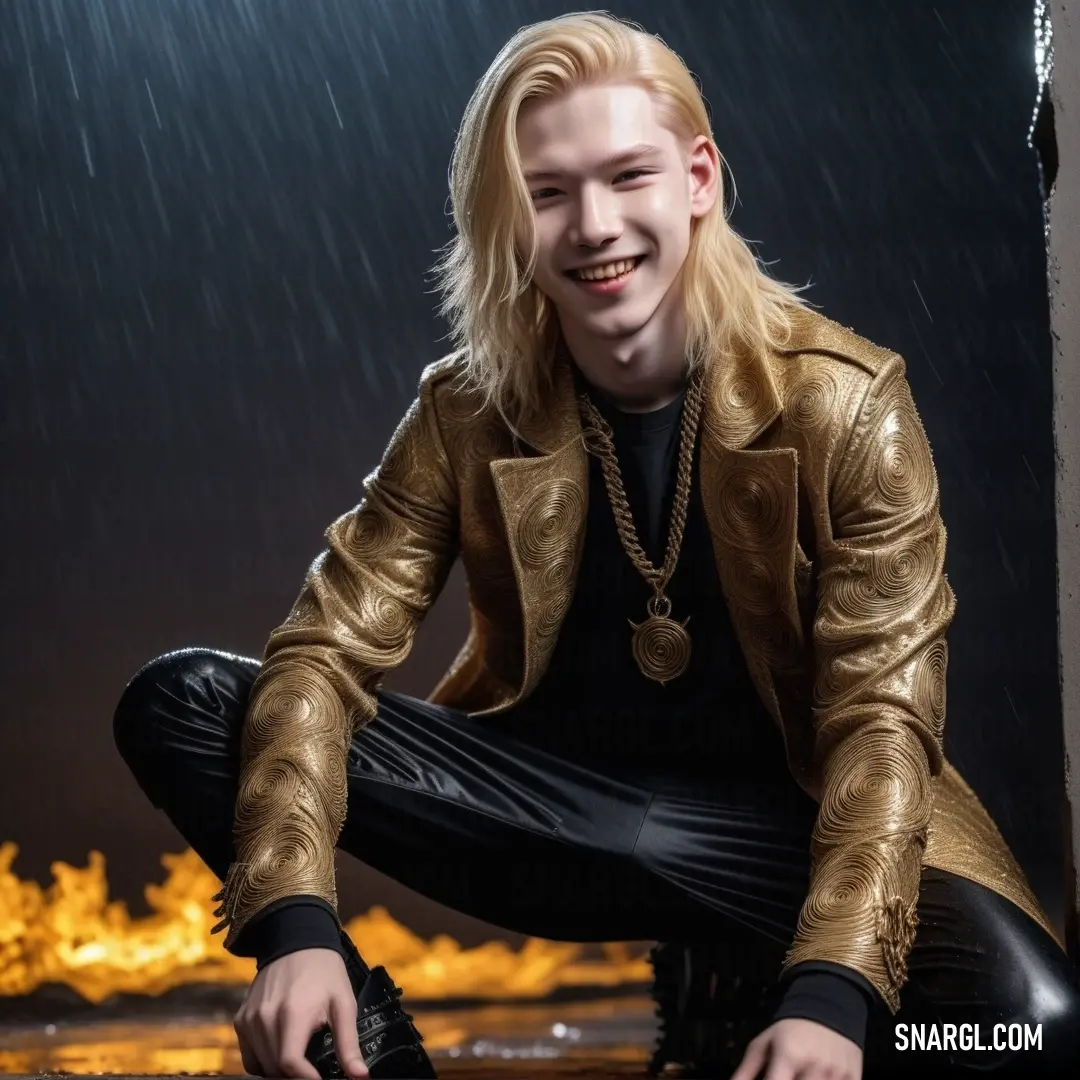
(597, 221)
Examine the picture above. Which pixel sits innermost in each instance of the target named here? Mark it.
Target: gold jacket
(822, 502)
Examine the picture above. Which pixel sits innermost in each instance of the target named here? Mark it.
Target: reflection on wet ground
(598, 1038)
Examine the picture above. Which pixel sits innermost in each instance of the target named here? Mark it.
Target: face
(614, 194)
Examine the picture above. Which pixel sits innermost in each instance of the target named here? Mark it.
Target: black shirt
(594, 702)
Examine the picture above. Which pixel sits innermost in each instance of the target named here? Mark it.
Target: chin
(617, 325)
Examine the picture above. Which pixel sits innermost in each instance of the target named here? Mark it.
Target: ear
(704, 175)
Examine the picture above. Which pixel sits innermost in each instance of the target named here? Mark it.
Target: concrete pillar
(1063, 237)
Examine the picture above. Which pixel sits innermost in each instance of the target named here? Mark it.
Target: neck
(639, 373)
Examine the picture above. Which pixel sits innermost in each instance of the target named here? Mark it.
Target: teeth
(612, 270)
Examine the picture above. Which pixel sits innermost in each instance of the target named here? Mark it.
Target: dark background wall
(215, 309)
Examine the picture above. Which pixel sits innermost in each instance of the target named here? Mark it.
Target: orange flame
(71, 933)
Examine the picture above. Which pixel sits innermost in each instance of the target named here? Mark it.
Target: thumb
(347, 1042)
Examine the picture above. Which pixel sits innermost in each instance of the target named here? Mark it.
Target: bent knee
(204, 686)
(1054, 1017)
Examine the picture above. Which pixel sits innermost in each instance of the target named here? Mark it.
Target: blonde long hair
(503, 327)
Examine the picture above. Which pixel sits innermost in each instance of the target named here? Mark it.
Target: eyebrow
(623, 157)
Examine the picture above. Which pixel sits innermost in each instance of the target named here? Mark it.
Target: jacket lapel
(543, 501)
(751, 499)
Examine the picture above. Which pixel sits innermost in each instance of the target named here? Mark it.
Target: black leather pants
(506, 832)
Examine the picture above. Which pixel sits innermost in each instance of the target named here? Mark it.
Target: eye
(544, 193)
(631, 174)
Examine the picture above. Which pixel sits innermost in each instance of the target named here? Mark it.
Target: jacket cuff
(829, 994)
(287, 926)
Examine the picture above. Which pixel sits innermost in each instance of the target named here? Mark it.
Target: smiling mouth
(608, 272)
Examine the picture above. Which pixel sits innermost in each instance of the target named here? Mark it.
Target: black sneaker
(706, 1014)
(390, 1044)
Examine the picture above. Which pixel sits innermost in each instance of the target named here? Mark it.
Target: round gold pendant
(661, 645)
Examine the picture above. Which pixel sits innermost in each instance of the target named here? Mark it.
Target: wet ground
(595, 1039)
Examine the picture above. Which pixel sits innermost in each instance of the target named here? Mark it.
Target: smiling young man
(702, 698)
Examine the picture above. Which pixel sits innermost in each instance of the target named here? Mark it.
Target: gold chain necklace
(661, 646)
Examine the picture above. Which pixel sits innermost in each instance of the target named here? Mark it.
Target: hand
(289, 1000)
(800, 1050)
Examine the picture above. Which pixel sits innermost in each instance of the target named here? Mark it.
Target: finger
(261, 1041)
(248, 1058)
(781, 1070)
(250, 1063)
(816, 1071)
(752, 1062)
(294, 1035)
(346, 1040)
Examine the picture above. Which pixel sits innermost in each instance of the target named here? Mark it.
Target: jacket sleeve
(355, 618)
(879, 634)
